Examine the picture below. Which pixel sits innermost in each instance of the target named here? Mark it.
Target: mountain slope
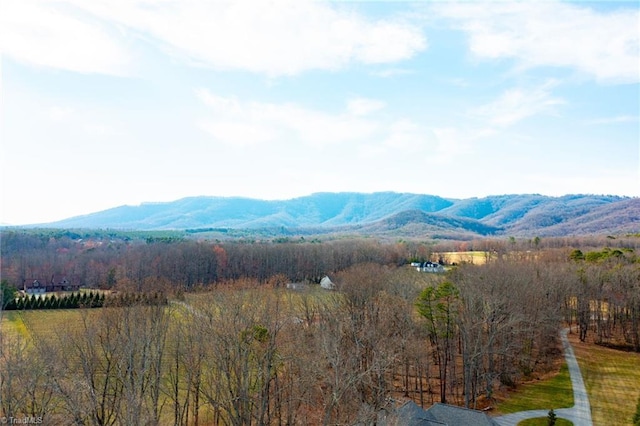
(382, 213)
(321, 209)
(417, 222)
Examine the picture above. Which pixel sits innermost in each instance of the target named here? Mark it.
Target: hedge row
(84, 300)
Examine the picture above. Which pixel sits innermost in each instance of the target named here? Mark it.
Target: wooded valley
(236, 345)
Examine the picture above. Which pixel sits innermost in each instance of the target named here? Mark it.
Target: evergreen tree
(551, 418)
(90, 300)
(31, 302)
(63, 303)
(39, 303)
(11, 305)
(7, 294)
(74, 301)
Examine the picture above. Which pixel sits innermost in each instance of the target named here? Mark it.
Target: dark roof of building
(459, 416)
(411, 414)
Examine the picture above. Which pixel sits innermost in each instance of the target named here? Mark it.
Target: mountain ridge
(381, 213)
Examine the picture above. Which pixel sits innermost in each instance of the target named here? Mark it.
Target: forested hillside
(385, 213)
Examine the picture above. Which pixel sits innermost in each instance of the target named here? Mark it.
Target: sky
(117, 102)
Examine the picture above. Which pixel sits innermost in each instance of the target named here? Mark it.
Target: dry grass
(44, 322)
(473, 257)
(612, 378)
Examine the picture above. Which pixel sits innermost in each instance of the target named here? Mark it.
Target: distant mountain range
(382, 213)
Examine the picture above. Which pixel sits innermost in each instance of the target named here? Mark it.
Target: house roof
(411, 414)
(459, 416)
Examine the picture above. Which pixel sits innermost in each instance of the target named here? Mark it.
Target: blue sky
(112, 102)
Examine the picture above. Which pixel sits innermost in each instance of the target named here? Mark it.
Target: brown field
(473, 257)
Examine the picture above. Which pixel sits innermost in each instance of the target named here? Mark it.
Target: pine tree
(551, 418)
(39, 304)
(64, 302)
(31, 302)
(74, 301)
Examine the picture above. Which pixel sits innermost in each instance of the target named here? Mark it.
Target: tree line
(150, 263)
(80, 300)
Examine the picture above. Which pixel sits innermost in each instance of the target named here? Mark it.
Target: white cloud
(615, 120)
(517, 104)
(392, 72)
(38, 34)
(253, 124)
(247, 123)
(282, 37)
(364, 106)
(604, 45)
(60, 113)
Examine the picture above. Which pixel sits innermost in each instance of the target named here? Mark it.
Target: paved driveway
(579, 414)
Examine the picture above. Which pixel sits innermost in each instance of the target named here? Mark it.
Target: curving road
(579, 414)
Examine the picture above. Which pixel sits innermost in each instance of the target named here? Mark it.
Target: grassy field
(612, 378)
(555, 392)
(474, 257)
(43, 322)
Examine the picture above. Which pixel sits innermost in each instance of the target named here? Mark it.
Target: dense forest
(235, 346)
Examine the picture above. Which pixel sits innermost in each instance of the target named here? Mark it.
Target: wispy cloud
(519, 103)
(603, 45)
(247, 123)
(392, 72)
(364, 106)
(614, 120)
(38, 33)
(283, 37)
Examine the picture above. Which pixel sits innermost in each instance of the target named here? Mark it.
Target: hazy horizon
(111, 103)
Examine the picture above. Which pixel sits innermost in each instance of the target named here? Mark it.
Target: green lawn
(612, 378)
(555, 392)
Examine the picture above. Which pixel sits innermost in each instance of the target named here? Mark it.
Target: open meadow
(458, 257)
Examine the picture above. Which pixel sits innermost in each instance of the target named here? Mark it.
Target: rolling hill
(383, 213)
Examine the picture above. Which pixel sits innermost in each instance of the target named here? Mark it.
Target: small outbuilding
(327, 284)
